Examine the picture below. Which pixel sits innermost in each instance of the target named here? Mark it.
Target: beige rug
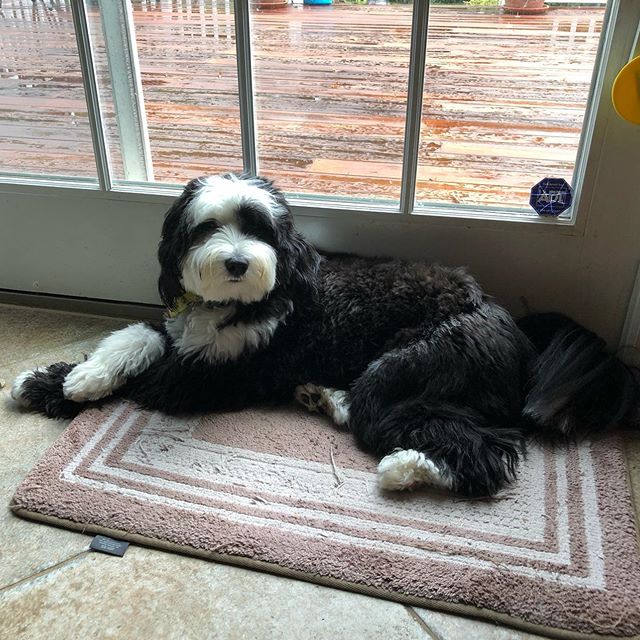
(287, 492)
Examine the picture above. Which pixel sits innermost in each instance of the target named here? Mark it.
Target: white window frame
(118, 29)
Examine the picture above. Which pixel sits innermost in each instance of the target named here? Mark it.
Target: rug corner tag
(109, 545)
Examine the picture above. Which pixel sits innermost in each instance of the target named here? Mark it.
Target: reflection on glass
(187, 61)
(331, 88)
(504, 100)
(44, 128)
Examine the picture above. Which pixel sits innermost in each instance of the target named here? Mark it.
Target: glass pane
(44, 128)
(331, 90)
(187, 61)
(504, 100)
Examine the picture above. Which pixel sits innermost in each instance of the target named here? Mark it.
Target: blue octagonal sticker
(551, 196)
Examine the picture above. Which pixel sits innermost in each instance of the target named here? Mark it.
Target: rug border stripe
(260, 565)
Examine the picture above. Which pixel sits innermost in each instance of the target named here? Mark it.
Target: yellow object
(183, 303)
(626, 92)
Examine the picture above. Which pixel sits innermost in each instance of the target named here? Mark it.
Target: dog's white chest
(197, 333)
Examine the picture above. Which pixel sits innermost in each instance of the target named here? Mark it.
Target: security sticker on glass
(551, 196)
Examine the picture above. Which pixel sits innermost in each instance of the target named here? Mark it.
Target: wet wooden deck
(504, 99)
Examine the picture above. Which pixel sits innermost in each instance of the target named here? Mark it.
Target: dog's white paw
(18, 389)
(332, 402)
(120, 355)
(89, 381)
(408, 469)
(338, 406)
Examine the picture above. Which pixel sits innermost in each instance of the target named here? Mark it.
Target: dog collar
(183, 303)
(190, 299)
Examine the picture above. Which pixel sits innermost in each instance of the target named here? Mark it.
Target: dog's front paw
(19, 388)
(89, 381)
(41, 390)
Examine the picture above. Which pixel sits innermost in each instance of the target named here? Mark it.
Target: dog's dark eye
(203, 231)
(257, 223)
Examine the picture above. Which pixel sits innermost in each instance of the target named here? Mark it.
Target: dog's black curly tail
(576, 387)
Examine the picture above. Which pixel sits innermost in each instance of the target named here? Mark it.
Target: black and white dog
(412, 358)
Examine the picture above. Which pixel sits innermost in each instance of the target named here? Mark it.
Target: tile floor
(52, 587)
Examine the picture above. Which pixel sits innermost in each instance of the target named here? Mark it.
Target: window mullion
(635, 49)
(90, 81)
(119, 35)
(245, 86)
(420, 22)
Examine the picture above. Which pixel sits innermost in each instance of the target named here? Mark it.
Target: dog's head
(231, 239)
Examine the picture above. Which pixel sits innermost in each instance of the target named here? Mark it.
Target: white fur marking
(204, 271)
(340, 406)
(332, 402)
(122, 354)
(17, 391)
(219, 198)
(197, 333)
(408, 469)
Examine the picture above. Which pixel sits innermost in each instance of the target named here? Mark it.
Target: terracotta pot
(269, 5)
(524, 7)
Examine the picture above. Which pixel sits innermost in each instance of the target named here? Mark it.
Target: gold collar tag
(183, 303)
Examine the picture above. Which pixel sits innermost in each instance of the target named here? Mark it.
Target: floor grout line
(45, 571)
(425, 627)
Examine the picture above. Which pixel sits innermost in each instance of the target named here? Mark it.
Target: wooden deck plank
(504, 98)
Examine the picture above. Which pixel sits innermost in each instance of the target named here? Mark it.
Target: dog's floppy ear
(298, 262)
(300, 267)
(174, 245)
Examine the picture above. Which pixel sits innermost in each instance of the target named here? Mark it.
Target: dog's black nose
(236, 266)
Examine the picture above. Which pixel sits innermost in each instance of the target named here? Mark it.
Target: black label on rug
(109, 545)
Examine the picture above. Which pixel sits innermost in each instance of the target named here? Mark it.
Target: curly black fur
(429, 361)
(576, 387)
